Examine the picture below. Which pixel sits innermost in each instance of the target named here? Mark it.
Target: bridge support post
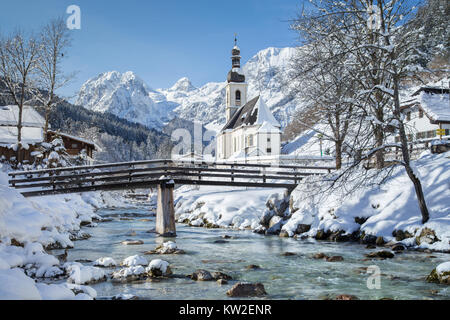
(165, 211)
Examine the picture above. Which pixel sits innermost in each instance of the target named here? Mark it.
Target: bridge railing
(142, 174)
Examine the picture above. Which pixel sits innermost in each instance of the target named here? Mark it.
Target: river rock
(426, 236)
(335, 258)
(288, 254)
(252, 267)
(168, 247)
(302, 228)
(105, 262)
(441, 274)
(129, 274)
(380, 254)
(380, 241)
(158, 268)
(322, 235)
(401, 235)
(266, 217)
(220, 275)
(320, 255)
(278, 202)
(222, 281)
(221, 241)
(398, 247)
(275, 226)
(129, 242)
(369, 239)
(346, 297)
(245, 289)
(135, 260)
(201, 275)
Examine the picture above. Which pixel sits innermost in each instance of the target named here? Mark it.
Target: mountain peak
(183, 84)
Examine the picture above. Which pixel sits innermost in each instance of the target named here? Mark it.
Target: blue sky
(161, 41)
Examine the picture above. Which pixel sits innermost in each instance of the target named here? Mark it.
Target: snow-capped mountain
(127, 96)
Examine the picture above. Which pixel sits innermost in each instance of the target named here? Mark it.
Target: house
(32, 132)
(250, 129)
(74, 145)
(33, 136)
(427, 110)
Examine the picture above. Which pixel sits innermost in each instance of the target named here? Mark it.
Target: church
(250, 130)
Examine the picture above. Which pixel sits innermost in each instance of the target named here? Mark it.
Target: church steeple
(236, 89)
(235, 73)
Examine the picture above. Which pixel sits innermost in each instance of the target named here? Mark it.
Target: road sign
(440, 132)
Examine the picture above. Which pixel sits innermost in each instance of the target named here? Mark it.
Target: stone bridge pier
(165, 211)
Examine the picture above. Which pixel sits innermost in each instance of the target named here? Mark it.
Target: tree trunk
(406, 157)
(338, 146)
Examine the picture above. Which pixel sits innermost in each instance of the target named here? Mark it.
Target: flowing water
(284, 277)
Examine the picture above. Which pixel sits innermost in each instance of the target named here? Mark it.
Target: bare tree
(373, 36)
(18, 61)
(54, 41)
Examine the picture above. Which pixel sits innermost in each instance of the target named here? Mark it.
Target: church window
(268, 150)
(238, 95)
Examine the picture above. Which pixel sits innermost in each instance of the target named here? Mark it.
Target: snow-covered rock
(441, 274)
(105, 262)
(135, 260)
(129, 274)
(80, 274)
(158, 268)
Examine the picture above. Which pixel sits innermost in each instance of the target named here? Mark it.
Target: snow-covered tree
(18, 61)
(378, 50)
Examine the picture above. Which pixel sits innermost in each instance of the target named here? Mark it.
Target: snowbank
(371, 212)
(28, 226)
(225, 207)
(387, 209)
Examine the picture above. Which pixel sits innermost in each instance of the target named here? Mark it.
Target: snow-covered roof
(436, 106)
(30, 135)
(9, 116)
(267, 127)
(62, 134)
(265, 115)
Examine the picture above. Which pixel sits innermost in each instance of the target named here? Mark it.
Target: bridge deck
(145, 174)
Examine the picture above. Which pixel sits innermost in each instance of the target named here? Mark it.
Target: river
(297, 276)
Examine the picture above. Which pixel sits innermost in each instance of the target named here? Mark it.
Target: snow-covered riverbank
(29, 226)
(389, 213)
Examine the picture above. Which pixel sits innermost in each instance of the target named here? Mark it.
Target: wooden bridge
(163, 174)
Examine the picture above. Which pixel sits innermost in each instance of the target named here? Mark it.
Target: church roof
(235, 77)
(253, 112)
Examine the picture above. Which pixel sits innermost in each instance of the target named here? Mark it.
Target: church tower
(236, 89)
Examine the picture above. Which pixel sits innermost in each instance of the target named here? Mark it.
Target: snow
(158, 264)
(168, 246)
(30, 135)
(9, 116)
(105, 262)
(128, 272)
(391, 207)
(127, 96)
(55, 292)
(239, 208)
(436, 106)
(15, 285)
(80, 274)
(135, 260)
(37, 223)
(443, 267)
(265, 115)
